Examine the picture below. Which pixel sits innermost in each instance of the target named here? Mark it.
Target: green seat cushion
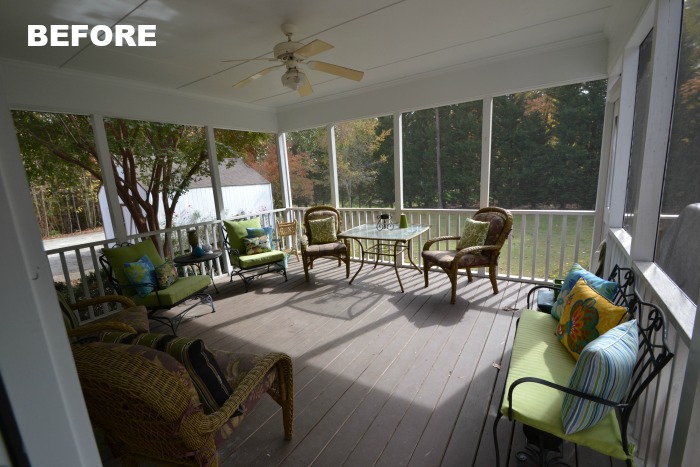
(538, 353)
(238, 230)
(259, 259)
(130, 254)
(181, 289)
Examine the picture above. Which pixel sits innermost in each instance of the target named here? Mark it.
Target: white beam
(486, 131)
(333, 167)
(663, 85)
(104, 156)
(214, 173)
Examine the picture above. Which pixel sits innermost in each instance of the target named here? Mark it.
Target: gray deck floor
(380, 377)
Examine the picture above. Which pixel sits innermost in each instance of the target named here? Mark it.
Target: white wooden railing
(658, 438)
(77, 267)
(553, 240)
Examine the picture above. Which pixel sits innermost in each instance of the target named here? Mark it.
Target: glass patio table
(387, 243)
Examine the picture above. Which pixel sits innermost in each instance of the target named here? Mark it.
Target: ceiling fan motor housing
(285, 50)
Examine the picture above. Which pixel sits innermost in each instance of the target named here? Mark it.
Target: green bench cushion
(181, 289)
(236, 231)
(538, 353)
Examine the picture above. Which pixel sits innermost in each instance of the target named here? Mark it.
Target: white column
(37, 365)
(398, 171)
(283, 158)
(333, 167)
(104, 157)
(486, 133)
(214, 172)
(663, 84)
(598, 222)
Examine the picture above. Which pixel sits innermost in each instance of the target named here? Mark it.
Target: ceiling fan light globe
(294, 80)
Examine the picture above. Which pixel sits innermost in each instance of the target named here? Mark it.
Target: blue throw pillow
(259, 232)
(605, 288)
(142, 276)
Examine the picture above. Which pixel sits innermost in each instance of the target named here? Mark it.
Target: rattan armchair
(486, 255)
(311, 248)
(131, 318)
(142, 400)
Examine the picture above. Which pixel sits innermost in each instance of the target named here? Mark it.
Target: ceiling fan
(292, 54)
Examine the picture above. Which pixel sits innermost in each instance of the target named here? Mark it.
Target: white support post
(598, 218)
(38, 370)
(333, 167)
(104, 157)
(486, 133)
(398, 171)
(285, 183)
(663, 85)
(214, 172)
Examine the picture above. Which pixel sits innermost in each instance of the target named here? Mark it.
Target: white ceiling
(389, 40)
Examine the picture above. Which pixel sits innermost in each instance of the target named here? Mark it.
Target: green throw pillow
(142, 276)
(323, 230)
(257, 245)
(474, 234)
(604, 369)
(209, 381)
(166, 274)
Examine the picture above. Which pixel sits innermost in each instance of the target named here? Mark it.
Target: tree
(152, 163)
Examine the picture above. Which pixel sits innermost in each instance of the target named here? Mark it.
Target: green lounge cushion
(538, 353)
(259, 259)
(236, 231)
(129, 254)
(183, 288)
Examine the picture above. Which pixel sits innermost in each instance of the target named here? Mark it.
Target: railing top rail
(557, 212)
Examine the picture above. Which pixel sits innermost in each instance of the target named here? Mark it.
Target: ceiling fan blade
(255, 76)
(306, 89)
(337, 70)
(312, 48)
(250, 60)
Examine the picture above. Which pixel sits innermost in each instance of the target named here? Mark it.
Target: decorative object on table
(384, 222)
(403, 222)
(198, 251)
(193, 238)
(206, 247)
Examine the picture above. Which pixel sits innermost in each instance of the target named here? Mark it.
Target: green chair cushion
(258, 259)
(181, 289)
(129, 254)
(538, 353)
(237, 231)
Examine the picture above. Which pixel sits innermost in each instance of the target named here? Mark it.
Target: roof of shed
(236, 174)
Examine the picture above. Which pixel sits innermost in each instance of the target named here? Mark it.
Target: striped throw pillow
(604, 369)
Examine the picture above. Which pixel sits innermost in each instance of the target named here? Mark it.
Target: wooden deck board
(380, 377)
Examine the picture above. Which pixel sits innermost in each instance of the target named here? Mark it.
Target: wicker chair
(501, 223)
(131, 318)
(143, 401)
(289, 229)
(311, 250)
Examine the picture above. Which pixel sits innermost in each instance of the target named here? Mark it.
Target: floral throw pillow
(587, 315)
(323, 230)
(474, 234)
(257, 245)
(142, 276)
(166, 274)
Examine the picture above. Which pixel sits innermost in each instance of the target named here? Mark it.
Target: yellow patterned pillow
(586, 316)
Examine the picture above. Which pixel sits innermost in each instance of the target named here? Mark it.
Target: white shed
(244, 191)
